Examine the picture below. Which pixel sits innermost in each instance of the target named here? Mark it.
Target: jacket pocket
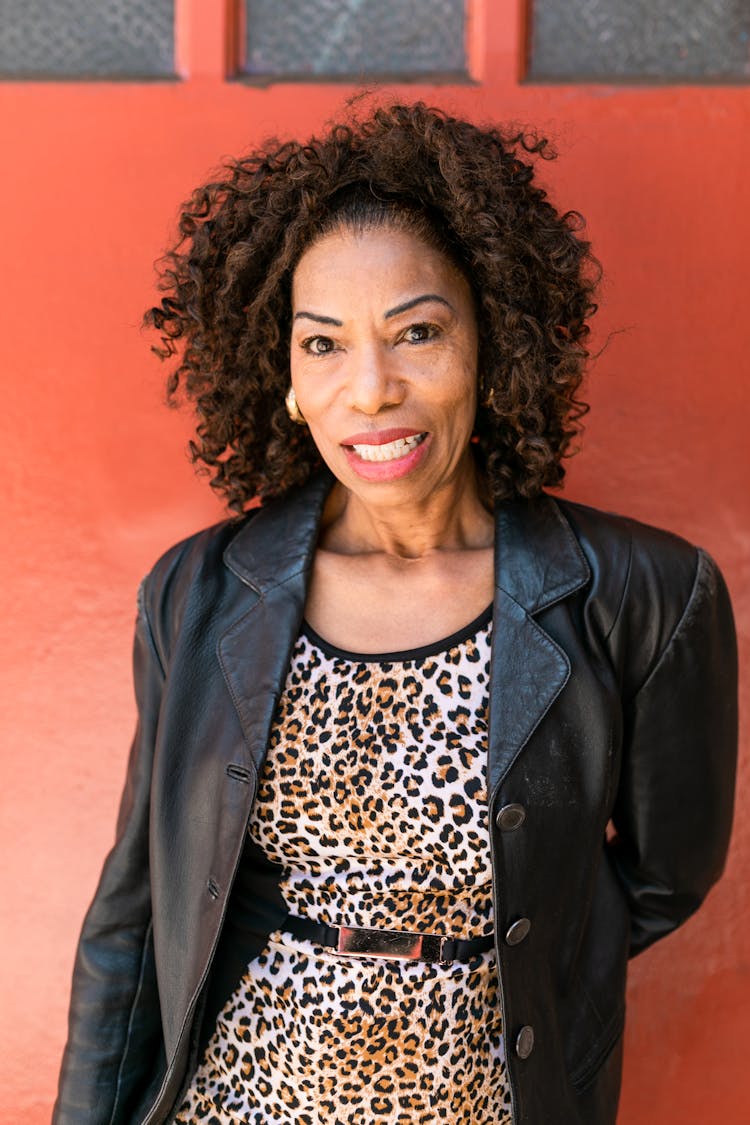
(596, 1102)
(587, 1067)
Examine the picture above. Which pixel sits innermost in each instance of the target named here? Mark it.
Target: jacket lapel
(272, 555)
(538, 561)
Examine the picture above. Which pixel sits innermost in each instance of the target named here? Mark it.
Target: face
(384, 362)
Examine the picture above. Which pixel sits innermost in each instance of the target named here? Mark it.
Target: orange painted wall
(95, 482)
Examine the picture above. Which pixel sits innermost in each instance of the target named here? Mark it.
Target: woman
(363, 869)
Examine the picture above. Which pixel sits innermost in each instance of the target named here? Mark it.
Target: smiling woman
(467, 193)
(365, 868)
(408, 359)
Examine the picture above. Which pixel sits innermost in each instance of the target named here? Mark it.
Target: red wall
(96, 482)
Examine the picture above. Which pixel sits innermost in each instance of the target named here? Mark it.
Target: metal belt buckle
(357, 941)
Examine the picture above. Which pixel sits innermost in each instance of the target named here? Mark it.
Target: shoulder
(649, 584)
(197, 553)
(187, 577)
(617, 541)
(211, 570)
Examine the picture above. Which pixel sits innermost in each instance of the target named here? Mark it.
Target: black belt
(357, 941)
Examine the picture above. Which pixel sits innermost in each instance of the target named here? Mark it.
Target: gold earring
(292, 408)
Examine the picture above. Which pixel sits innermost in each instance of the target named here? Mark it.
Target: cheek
(316, 397)
(298, 363)
(461, 380)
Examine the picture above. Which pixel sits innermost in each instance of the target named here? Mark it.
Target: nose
(373, 382)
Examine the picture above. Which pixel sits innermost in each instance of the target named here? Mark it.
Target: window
(80, 39)
(318, 39)
(639, 40)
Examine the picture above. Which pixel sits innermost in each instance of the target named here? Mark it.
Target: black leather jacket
(612, 698)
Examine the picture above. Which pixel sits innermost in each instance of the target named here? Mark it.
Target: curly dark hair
(469, 191)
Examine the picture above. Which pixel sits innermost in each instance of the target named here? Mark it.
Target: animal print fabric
(373, 800)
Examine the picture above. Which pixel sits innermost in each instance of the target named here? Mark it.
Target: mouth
(389, 450)
(384, 455)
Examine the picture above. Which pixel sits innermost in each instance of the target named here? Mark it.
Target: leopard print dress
(373, 803)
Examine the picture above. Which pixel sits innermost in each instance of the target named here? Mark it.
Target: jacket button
(510, 817)
(525, 1042)
(515, 934)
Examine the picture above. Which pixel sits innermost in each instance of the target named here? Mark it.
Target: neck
(452, 518)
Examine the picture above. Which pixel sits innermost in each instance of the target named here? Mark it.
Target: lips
(388, 451)
(379, 437)
(383, 455)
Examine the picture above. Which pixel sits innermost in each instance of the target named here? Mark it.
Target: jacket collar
(277, 542)
(538, 559)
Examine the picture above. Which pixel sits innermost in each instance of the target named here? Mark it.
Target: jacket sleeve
(673, 808)
(114, 1022)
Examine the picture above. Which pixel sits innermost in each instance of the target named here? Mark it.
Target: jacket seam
(623, 594)
(261, 589)
(131, 1017)
(143, 610)
(701, 557)
(283, 581)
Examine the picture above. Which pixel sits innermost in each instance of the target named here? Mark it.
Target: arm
(673, 810)
(114, 1024)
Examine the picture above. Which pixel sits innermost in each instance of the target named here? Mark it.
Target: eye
(318, 345)
(420, 333)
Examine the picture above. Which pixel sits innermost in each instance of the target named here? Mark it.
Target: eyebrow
(425, 297)
(318, 318)
(418, 301)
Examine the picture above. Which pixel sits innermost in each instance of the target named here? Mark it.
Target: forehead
(344, 262)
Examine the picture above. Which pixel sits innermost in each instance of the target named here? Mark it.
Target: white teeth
(390, 451)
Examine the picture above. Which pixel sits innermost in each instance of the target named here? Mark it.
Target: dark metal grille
(670, 40)
(86, 38)
(303, 39)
